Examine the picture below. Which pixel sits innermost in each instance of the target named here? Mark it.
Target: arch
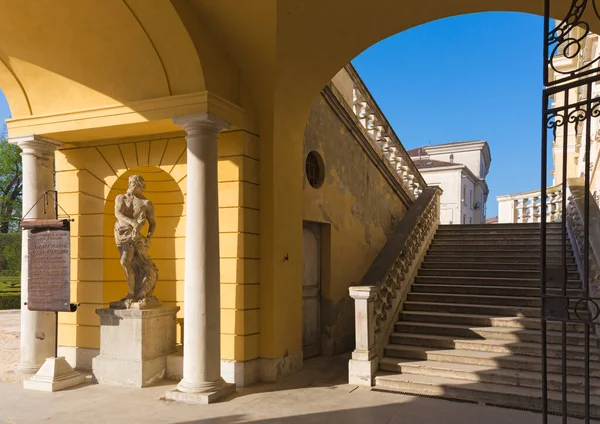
(85, 55)
(88, 180)
(168, 243)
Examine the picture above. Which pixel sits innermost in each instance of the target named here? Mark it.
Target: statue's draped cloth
(145, 270)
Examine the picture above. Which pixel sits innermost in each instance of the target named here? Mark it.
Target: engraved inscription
(49, 270)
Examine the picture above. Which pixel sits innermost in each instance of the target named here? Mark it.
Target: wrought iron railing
(383, 289)
(575, 226)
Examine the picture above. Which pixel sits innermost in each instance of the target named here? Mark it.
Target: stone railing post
(364, 363)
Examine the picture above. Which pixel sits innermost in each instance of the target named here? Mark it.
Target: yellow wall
(88, 180)
(359, 209)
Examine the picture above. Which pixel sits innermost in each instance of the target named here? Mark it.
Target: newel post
(364, 363)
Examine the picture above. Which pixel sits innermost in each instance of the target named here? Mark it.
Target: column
(202, 382)
(38, 329)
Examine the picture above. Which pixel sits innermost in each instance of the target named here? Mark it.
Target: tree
(11, 185)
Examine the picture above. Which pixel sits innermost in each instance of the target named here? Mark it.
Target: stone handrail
(382, 291)
(526, 207)
(575, 229)
(380, 131)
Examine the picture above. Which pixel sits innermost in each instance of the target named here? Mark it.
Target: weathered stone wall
(357, 209)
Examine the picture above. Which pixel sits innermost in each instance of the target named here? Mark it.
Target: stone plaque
(49, 270)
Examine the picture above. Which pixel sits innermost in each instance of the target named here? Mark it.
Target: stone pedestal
(56, 374)
(134, 344)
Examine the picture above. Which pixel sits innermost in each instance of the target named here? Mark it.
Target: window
(314, 170)
(464, 196)
(471, 198)
(464, 219)
(470, 220)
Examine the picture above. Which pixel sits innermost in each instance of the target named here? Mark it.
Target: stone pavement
(9, 343)
(318, 394)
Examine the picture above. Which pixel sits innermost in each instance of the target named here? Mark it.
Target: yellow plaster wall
(88, 180)
(358, 210)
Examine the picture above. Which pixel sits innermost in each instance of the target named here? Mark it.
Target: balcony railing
(523, 208)
(379, 130)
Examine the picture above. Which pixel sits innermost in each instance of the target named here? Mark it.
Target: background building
(459, 169)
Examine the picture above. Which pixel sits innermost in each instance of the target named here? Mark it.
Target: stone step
(466, 248)
(486, 236)
(498, 333)
(477, 309)
(478, 299)
(510, 253)
(488, 273)
(485, 374)
(487, 321)
(491, 290)
(472, 241)
(513, 266)
(489, 393)
(491, 345)
(483, 281)
(506, 259)
(490, 359)
(502, 226)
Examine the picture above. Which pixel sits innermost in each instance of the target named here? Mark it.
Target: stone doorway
(311, 289)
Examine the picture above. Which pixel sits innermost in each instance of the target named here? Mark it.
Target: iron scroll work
(570, 102)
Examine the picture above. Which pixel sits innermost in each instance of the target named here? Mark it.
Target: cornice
(85, 122)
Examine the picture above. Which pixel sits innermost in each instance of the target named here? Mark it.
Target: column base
(56, 374)
(26, 371)
(201, 398)
(362, 373)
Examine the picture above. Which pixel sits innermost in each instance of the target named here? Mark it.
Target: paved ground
(318, 394)
(9, 343)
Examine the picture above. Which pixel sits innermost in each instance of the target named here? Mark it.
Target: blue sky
(471, 77)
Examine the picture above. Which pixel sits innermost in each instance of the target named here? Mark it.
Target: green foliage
(11, 182)
(10, 301)
(10, 255)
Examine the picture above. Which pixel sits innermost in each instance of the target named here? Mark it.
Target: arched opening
(168, 242)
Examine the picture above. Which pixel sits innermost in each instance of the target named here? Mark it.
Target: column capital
(362, 292)
(35, 144)
(202, 121)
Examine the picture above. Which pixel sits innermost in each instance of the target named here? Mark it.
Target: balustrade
(523, 208)
(391, 150)
(383, 288)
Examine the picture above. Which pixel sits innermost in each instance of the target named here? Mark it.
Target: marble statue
(132, 210)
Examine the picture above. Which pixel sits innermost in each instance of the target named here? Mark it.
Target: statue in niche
(132, 210)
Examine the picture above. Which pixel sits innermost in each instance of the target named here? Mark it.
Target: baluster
(411, 184)
(535, 208)
(416, 189)
(523, 209)
(379, 136)
(392, 156)
(550, 207)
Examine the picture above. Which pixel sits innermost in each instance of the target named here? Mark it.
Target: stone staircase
(470, 327)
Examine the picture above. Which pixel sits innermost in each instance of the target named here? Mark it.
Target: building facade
(209, 101)
(459, 169)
